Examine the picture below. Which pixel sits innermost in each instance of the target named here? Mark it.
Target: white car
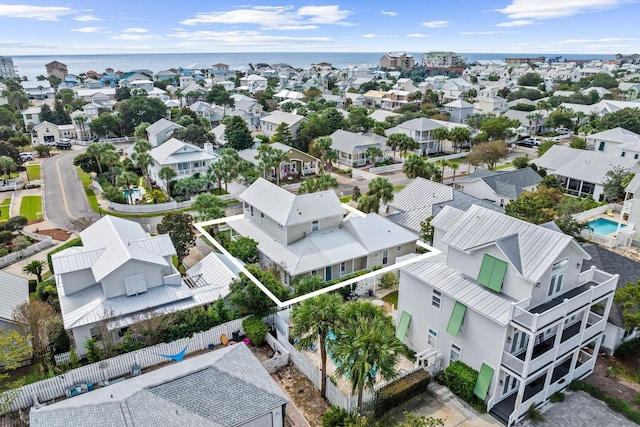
(27, 155)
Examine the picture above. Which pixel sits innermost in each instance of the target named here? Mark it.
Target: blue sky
(531, 26)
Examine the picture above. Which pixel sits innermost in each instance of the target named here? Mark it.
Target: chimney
(208, 147)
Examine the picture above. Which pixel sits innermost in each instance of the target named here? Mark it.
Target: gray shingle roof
(606, 260)
(227, 387)
(508, 183)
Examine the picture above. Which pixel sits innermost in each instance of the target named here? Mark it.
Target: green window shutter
(484, 381)
(457, 316)
(492, 272)
(403, 325)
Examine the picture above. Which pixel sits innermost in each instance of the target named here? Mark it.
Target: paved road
(64, 197)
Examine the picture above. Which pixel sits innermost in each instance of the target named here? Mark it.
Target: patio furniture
(610, 212)
(223, 339)
(78, 388)
(135, 370)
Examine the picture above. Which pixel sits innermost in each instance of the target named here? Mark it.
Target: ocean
(32, 66)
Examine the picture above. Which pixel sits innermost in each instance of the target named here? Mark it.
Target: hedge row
(627, 348)
(70, 243)
(618, 405)
(400, 391)
(461, 380)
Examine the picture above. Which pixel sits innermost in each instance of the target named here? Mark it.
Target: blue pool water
(135, 194)
(604, 226)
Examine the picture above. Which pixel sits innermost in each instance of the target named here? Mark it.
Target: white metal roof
(14, 290)
(288, 209)
(592, 166)
(175, 151)
(278, 117)
(436, 273)
(349, 142)
(538, 246)
(420, 193)
(375, 232)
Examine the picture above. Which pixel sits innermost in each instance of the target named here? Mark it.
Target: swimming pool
(604, 227)
(135, 195)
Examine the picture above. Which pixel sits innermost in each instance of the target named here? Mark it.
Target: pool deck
(613, 218)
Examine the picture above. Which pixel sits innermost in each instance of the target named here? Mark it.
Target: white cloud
(384, 12)
(601, 40)
(87, 18)
(275, 17)
(39, 13)
(517, 23)
(547, 9)
(417, 35)
(135, 37)
(324, 14)
(372, 36)
(486, 33)
(436, 24)
(89, 30)
(244, 38)
(135, 30)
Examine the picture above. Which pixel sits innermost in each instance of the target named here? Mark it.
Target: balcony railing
(603, 283)
(191, 171)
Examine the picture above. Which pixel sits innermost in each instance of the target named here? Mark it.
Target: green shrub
(557, 397)
(93, 351)
(440, 378)
(534, 414)
(68, 244)
(73, 357)
(255, 329)
(46, 290)
(334, 417)
(6, 236)
(388, 280)
(461, 379)
(400, 391)
(32, 285)
(627, 348)
(4, 252)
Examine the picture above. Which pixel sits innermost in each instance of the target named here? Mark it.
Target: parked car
(64, 144)
(31, 185)
(526, 143)
(27, 155)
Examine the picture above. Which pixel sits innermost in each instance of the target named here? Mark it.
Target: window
(432, 338)
(376, 254)
(601, 146)
(436, 299)
(502, 203)
(519, 342)
(314, 226)
(251, 210)
(557, 276)
(455, 353)
(385, 256)
(343, 267)
(399, 248)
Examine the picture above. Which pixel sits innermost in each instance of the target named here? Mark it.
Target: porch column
(353, 265)
(527, 359)
(580, 189)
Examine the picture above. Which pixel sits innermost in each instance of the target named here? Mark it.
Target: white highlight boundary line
(200, 226)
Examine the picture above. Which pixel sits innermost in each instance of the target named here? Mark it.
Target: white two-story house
(187, 159)
(507, 298)
(308, 234)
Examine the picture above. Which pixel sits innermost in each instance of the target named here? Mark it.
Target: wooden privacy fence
(118, 366)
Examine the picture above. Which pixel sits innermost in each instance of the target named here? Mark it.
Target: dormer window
(557, 277)
(315, 226)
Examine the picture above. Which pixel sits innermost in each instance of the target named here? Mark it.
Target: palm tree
(442, 163)
(365, 345)
(95, 150)
(321, 148)
(321, 183)
(454, 167)
(80, 121)
(382, 189)
(315, 318)
(141, 146)
(111, 158)
(372, 152)
(127, 179)
(439, 135)
(142, 160)
(35, 267)
(413, 166)
(279, 156)
(209, 206)
(7, 165)
(406, 143)
(459, 135)
(167, 173)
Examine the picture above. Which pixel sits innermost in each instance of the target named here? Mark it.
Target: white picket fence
(45, 242)
(157, 207)
(118, 366)
(388, 168)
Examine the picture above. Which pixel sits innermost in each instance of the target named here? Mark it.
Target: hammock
(178, 356)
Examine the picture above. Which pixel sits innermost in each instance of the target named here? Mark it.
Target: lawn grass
(398, 187)
(505, 166)
(391, 298)
(33, 171)
(4, 209)
(31, 205)
(345, 199)
(458, 161)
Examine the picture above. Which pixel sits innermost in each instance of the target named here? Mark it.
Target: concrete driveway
(439, 402)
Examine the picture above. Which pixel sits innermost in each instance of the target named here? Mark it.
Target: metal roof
(175, 151)
(618, 134)
(15, 291)
(349, 142)
(592, 166)
(421, 193)
(375, 232)
(226, 387)
(161, 125)
(278, 117)
(437, 274)
(288, 209)
(478, 227)
(634, 185)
